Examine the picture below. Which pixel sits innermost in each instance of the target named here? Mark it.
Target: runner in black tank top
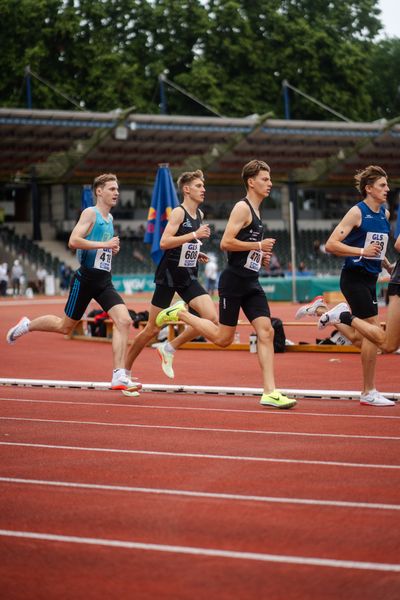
(245, 263)
(177, 271)
(239, 287)
(169, 273)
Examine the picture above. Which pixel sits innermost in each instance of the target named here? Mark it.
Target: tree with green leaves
(230, 54)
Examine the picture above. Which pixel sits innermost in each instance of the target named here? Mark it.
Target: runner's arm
(335, 245)
(83, 227)
(170, 240)
(241, 217)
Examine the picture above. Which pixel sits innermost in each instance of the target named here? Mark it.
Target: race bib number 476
(253, 261)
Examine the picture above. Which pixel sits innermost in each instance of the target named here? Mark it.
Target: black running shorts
(163, 294)
(393, 289)
(359, 288)
(88, 284)
(237, 293)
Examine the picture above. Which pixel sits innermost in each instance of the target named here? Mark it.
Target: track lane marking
(205, 429)
(212, 552)
(208, 495)
(203, 456)
(201, 409)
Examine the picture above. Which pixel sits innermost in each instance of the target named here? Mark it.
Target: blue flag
(87, 197)
(163, 201)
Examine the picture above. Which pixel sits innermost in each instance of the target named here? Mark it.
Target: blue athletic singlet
(374, 227)
(102, 231)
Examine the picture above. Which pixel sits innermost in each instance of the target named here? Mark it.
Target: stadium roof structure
(74, 147)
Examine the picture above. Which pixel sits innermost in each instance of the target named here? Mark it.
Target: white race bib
(253, 261)
(189, 254)
(382, 239)
(103, 259)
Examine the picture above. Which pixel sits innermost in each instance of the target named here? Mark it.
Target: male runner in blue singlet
(361, 238)
(239, 286)
(93, 237)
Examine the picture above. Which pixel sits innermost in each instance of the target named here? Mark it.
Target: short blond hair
(188, 177)
(101, 180)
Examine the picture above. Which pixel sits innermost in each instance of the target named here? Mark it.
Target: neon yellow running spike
(170, 314)
(277, 400)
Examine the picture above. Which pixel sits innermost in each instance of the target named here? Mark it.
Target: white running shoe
(121, 382)
(19, 329)
(332, 317)
(374, 398)
(310, 309)
(167, 358)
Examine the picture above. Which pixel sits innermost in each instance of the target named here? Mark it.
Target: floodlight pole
(286, 98)
(293, 232)
(36, 230)
(28, 87)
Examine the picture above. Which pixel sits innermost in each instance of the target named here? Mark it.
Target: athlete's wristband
(362, 252)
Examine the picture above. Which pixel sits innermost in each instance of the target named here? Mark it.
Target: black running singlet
(247, 263)
(178, 266)
(395, 277)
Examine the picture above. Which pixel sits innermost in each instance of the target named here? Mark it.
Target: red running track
(172, 496)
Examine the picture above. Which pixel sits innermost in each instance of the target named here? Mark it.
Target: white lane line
(204, 456)
(214, 552)
(276, 413)
(208, 495)
(206, 429)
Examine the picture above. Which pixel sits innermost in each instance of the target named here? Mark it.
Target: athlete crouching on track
(239, 286)
(93, 237)
(178, 270)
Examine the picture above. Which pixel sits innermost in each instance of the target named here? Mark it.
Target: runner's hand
(113, 244)
(203, 231)
(266, 259)
(267, 244)
(203, 258)
(374, 249)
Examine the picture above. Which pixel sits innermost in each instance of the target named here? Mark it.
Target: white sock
(118, 372)
(169, 348)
